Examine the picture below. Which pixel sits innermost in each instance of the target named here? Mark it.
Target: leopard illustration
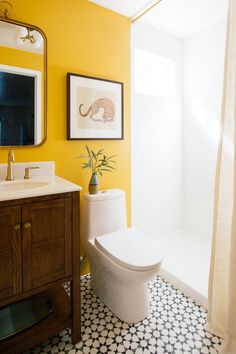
(102, 103)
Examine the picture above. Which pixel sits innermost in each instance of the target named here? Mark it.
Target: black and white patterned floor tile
(176, 325)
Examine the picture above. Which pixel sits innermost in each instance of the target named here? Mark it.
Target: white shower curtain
(222, 279)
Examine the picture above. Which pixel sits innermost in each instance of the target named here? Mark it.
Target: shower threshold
(186, 263)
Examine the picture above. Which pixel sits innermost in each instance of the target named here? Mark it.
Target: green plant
(98, 162)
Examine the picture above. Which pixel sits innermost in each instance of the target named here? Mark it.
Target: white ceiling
(180, 18)
(124, 7)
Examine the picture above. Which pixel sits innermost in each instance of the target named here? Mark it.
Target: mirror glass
(22, 85)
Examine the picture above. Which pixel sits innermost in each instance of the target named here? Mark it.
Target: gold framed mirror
(23, 84)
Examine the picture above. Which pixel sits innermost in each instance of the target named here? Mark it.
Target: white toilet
(122, 259)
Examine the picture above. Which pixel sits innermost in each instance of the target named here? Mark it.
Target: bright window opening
(153, 74)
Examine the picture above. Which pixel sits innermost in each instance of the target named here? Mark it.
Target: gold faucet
(27, 171)
(11, 158)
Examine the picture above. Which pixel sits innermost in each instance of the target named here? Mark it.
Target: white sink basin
(18, 186)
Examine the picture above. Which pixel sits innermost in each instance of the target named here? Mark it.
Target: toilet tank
(103, 213)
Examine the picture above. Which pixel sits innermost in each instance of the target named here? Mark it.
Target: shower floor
(186, 263)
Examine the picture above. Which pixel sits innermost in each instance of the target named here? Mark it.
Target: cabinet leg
(75, 308)
(75, 284)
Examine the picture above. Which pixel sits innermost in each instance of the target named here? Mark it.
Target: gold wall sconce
(6, 8)
(26, 35)
(23, 35)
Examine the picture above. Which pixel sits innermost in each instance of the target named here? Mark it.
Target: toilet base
(130, 304)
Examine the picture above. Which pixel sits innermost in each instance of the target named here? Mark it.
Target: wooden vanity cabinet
(46, 241)
(39, 251)
(10, 252)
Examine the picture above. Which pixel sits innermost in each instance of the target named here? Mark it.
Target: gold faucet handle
(27, 171)
(11, 156)
(10, 159)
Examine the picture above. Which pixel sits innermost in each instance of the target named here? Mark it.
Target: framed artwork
(94, 108)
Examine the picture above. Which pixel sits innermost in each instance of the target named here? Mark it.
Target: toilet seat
(130, 248)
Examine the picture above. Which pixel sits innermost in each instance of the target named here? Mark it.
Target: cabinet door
(46, 241)
(10, 251)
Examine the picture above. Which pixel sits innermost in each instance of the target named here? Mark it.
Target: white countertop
(50, 185)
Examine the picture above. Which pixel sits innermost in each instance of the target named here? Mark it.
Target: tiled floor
(175, 325)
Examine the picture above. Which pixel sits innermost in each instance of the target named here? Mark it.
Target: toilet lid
(130, 248)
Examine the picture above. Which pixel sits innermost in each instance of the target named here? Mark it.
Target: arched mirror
(23, 84)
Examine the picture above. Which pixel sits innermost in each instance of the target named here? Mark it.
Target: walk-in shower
(177, 80)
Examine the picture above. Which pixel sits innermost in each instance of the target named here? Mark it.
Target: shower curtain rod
(144, 10)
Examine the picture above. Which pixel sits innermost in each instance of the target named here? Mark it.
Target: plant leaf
(94, 155)
(100, 152)
(110, 157)
(98, 161)
(111, 167)
(104, 169)
(112, 161)
(87, 148)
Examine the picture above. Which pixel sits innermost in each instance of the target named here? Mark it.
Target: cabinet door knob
(17, 227)
(27, 225)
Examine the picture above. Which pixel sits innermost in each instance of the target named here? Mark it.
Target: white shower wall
(203, 61)
(174, 140)
(174, 150)
(157, 143)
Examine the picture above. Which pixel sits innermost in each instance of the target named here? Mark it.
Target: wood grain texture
(41, 198)
(48, 261)
(26, 250)
(10, 252)
(75, 286)
(41, 252)
(24, 295)
(47, 243)
(68, 236)
(17, 252)
(59, 319)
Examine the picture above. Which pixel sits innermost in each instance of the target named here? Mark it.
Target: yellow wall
(87, 39)
(19, 58)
